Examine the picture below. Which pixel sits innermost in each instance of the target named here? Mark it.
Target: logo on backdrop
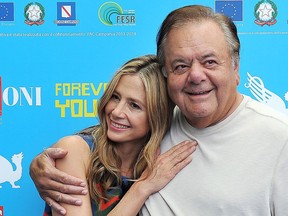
(111, 13)
(34, 14)
(7, 173)
(265, 12)
(230, 8)
(19, 96)
(0, 99)
(6, 11)
(264, 95)
(74, 99)
(66, 14)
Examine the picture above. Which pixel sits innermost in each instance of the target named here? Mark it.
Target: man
(240, 166)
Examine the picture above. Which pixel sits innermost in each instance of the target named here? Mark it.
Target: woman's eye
(115, 97)
(135, 106)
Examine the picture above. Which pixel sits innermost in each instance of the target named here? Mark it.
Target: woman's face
(126, 111)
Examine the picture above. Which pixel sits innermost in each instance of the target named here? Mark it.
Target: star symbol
(265, 11)
(5, 14)
(34, 12)
(230, 9)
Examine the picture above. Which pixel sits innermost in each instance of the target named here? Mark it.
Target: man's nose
(196, 73)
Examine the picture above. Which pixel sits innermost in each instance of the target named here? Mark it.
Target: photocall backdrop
(56, 59)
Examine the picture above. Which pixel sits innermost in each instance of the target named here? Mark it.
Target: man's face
(202, 80)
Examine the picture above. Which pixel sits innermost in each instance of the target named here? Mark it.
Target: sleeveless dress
(105, 206)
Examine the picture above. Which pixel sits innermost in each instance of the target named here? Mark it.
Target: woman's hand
(167, 166)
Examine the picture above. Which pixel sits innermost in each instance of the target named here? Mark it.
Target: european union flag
(230, 8)
(6, 11)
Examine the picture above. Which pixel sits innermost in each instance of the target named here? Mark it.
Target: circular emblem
(34, 14)
(107, 10)
(265, 12)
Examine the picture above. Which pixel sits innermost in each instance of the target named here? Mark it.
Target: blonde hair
(104, 169)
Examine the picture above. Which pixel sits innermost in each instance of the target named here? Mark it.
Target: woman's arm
(53, 184)
(75, 163)
(166, 168)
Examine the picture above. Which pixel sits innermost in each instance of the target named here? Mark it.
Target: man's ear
(236, 71)
(164, 72)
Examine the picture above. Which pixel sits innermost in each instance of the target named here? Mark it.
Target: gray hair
(198, 13)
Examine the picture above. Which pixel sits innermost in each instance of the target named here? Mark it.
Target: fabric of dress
(105, 207)
(240, 166)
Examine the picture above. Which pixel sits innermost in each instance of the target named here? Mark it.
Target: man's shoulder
(265, 111)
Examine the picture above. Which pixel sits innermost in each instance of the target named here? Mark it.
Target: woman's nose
(119, 110)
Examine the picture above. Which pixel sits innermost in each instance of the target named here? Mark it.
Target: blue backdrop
(56, 59)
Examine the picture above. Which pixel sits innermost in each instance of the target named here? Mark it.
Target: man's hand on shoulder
(53, 185)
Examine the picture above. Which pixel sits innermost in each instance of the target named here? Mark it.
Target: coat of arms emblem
(34, 14)
(265, 12)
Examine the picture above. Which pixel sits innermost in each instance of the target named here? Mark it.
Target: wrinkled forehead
(205, 35)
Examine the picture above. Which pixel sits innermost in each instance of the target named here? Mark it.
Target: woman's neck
(128, 155)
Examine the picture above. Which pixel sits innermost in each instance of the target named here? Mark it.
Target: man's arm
(54, 186)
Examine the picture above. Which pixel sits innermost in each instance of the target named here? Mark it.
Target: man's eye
(210, 62)
(180, 69)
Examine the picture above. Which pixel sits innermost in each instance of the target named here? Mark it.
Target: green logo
(265, 12)
(34, 14)
(107, 10)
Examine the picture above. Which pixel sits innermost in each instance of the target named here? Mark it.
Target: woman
(134, 114)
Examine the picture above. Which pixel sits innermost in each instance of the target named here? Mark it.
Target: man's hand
(53, 185)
